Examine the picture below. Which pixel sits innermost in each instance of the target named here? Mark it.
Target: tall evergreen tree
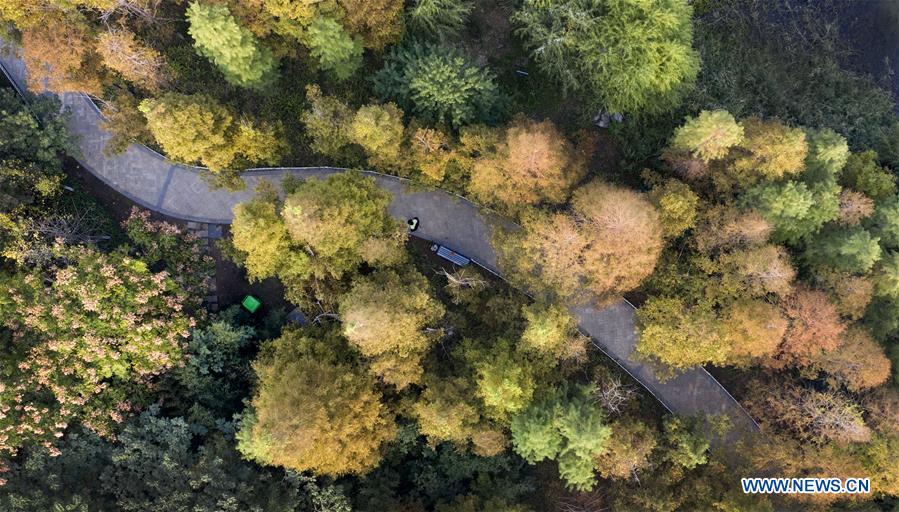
(708, 136)
(336, 51)
(234, 49)
(439, 85)
(628, 56)
(567, 427)
(851, 249)
(438, 19)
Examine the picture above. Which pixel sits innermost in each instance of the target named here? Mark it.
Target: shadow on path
(180, 191)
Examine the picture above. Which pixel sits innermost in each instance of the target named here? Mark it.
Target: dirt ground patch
(231, 280)
(489, 35)
(233, 285)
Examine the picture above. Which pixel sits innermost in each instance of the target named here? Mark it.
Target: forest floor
(870, 29)
(232, 283)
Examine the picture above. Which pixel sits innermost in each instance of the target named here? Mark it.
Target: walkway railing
(725, 401)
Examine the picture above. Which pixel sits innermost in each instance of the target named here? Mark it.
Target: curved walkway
(180, 191)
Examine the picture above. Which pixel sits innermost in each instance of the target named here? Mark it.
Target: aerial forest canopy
(693, 189)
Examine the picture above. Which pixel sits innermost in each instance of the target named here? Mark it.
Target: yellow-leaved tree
(533, 163)
(391, 317)
(605, 245)
(314, 409)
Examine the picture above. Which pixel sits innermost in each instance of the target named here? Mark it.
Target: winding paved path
(150, 180)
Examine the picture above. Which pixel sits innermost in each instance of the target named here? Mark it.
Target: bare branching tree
(463, 278)
(138, 63)
(323, 314)
(612, 394)
(41, 234)
(145, 11)
(74, 228)
(592, 501)
(834, 417)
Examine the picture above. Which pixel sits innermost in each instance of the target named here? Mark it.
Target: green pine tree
(630, 56)
(439, 85)
(885, 222)
(852, 250)
(568, 427)
(708, 136)
(827, 154)
(238, 54)
(335, 50)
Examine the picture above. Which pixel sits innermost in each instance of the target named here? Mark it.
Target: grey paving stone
(182, 191)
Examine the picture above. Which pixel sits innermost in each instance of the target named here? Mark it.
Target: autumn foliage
(87, 339)
(77, 69)
(534, 164)
(624, 237)
(754, 329)
(313, 410)
(607, 244)
(391, 318)
(815, 327)
(138, 63)
(858, 363)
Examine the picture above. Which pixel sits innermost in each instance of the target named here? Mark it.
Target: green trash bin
(251, 303)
